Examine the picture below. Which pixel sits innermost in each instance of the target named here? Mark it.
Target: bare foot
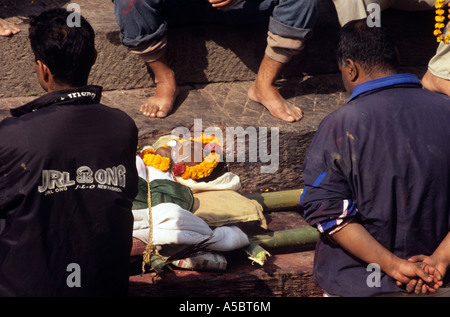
(7, 29)
(436, 84)
(269, 97)
(161, 104)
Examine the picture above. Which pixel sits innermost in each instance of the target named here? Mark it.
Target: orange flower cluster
(203, 169)
(157, 161)
(210, 162)
(198, 171)
(440, 25)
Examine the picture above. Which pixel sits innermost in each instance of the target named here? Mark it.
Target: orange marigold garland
(198, 171)
(157, 161)
(440, 19)
(203, 169)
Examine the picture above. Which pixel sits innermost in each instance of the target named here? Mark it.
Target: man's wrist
(442, 259)
(390, 264)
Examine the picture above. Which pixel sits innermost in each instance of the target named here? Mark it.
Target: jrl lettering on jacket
(108, 178)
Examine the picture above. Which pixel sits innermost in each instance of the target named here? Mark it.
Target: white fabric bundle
(174, 225)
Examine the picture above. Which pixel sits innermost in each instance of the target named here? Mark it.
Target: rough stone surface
(283, 275)
(226, 106)
(199, 54)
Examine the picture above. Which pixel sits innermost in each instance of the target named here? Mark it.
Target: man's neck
(372, 75)
(61, 87)
(375, 74)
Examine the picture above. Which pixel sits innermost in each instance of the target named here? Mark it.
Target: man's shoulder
(349, 111)
(114, 111)
(117, 114)
(7, 124)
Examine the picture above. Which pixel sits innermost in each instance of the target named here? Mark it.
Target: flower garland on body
(201, 170)
(440, 25)
(150, 158)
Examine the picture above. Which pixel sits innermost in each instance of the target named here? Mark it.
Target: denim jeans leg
(294, 19)
(140, 22)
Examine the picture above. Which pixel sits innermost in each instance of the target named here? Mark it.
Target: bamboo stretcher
(259, 244)
(300, 237)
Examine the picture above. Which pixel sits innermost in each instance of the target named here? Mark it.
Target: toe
(161, 114)
(148, 110)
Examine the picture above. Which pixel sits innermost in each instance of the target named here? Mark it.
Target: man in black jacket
(68, 176)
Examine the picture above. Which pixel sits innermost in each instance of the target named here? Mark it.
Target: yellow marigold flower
(156, 161)
(203, 169)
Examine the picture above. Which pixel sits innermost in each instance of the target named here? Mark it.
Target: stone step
(198, 54)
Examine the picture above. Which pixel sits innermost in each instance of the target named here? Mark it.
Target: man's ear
(352, 70)
(43, 71)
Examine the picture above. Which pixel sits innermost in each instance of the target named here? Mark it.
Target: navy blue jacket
(67, 181)
(383, 160)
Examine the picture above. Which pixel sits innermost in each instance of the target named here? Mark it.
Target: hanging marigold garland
(198, 171)
(440, 19)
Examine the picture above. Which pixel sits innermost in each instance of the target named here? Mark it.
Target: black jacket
(67, 181)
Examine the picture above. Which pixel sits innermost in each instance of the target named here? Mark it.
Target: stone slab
(199, 54)
(283, 275)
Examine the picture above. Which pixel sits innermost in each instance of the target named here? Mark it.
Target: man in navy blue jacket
(377, 177)
(68, 176)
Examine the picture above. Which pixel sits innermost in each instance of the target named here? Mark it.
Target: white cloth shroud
(175, 225)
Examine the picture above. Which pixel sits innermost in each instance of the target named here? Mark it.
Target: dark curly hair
(68, 51)
(371, 47)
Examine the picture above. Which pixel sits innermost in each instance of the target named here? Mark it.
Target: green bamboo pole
(287, 238)
(279, 200)
(256, 253)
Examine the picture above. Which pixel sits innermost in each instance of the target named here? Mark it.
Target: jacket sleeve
(327, 198)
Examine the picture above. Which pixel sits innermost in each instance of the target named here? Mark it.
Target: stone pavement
(199, 54)
(215, 66)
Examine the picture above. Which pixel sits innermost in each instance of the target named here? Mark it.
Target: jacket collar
(383, 83)
(90, 94)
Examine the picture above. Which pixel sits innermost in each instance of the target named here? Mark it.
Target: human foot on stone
(7, 29)
(269, 97)
(161, 104)
(436, 84)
